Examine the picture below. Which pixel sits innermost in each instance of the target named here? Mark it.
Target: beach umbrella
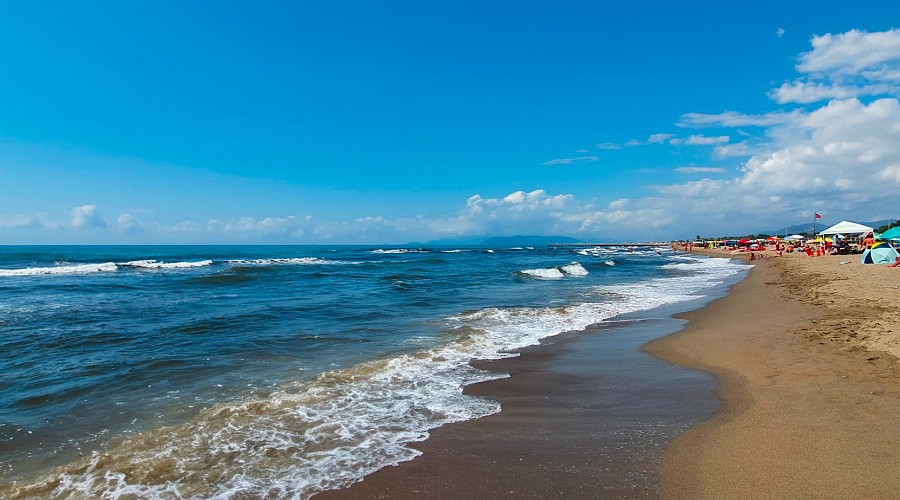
(880, 252)
(795, 237)
(891, 234)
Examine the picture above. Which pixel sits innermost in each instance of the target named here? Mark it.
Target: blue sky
(388, 122)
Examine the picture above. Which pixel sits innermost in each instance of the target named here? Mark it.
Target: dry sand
(812, 394)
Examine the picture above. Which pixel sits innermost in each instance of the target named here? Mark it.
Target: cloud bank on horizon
(832, 146)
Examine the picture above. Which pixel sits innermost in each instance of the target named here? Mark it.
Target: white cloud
(700, 170)
(265, 227)
(735, 119)
(846, 65)
(836, 152)
(571, 161)
(852, 52)
(128, 223)
(653, 139)
(519, 212)
(20, 221)
(779, 32)
(659, 138)
(845, 154)
(700, 140)
(842, 155)
(732, 150)
(87, 216)
(808, 92)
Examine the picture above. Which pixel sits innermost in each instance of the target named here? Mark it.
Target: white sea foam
(295, 261)
(330, 431)
(553, 273)
(399, 250)
(550, 273)
(703, 273)
(609, 262)
(705, 266)
(155, 264)
(76, 269)
(104, 267)
(574, 269)
(616, 251)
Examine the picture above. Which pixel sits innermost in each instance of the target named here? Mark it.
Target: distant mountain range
(527, 240)
(502, 241)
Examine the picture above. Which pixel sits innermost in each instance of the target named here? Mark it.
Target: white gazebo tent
(846, 227)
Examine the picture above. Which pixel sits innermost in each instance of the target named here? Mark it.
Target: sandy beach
(804, 352)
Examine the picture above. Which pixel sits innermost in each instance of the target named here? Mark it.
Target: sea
(279, 371)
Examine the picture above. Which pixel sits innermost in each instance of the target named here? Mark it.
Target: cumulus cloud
(845, 154)
(846, 65)
(87, 216)
(839, 149)
(852, 53)
(839, 152)
(128, 223)
(261, 227)
(519, 212)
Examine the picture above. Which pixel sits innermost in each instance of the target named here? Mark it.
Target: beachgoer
(868, 240)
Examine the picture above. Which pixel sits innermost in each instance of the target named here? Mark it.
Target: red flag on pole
(818, 216)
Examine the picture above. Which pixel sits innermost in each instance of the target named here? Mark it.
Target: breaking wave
(155, 264)
(551, 273)
(297, 261)
(54, 270)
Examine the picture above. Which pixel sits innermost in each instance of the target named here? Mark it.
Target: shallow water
(276, 371)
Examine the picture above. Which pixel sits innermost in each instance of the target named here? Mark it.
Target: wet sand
(585, 416)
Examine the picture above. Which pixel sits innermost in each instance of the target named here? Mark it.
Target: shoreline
(809, 411)
(585, 414)
(572, 426)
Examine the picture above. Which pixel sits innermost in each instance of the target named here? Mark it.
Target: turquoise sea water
(206, 371)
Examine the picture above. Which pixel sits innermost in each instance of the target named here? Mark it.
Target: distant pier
(591, 245)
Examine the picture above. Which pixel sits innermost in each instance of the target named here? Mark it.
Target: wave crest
(552, 273)
(77, 269)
